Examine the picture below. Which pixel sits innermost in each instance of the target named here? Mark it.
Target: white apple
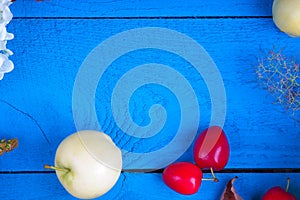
(88, 164)
(286, 16)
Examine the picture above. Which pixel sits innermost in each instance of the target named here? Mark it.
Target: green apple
(88, 164)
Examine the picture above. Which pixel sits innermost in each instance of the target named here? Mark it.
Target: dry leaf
(8, 145)
(2, 146)
(230, 192)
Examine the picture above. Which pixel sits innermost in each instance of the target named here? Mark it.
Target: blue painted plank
(36, 98)
(145, 186)
(134, 8)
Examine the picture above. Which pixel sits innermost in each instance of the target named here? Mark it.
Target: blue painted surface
(36, 98)
(147, 186)
(136, 8)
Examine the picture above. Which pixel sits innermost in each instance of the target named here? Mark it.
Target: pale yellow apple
(89, 164)
(286, 16)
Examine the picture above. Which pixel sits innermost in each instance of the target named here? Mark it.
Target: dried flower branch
(8, 145)
(281, 77)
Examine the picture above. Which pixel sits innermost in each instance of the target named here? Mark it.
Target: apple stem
(214, 178)
(210, 179)
(56, 168)
(213, 174)
(287, 185)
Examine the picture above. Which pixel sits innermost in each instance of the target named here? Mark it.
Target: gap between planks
(155, 17)
(225, 171)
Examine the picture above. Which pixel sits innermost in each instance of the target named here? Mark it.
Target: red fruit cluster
(211, 151)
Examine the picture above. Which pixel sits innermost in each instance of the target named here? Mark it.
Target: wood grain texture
(52, 39)
(145, 186)
(36, 98)
(137, 8)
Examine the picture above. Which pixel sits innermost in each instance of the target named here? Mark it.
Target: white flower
(6, 15)
(6, 65)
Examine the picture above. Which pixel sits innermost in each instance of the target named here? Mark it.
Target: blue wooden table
(52, 40)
